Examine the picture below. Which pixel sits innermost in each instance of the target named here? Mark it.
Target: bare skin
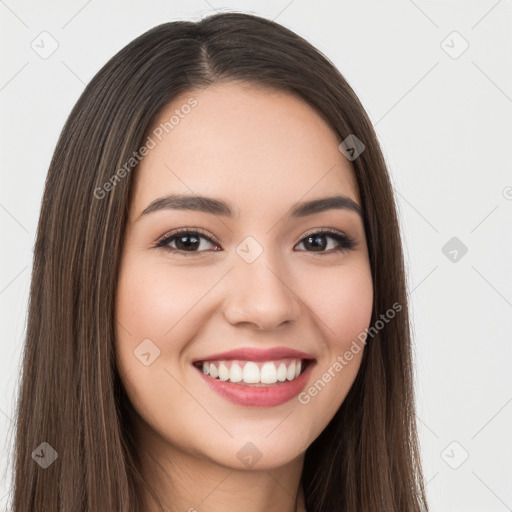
(262, 152)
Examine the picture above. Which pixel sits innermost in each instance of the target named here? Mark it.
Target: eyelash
(346, 243)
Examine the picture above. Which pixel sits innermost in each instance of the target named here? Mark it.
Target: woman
(218, 316)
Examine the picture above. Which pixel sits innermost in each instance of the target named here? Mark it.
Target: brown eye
(317, 241)
(185, 242)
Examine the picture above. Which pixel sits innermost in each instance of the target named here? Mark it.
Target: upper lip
(256, 354)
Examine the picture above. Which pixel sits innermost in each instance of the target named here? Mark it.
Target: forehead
(251, 146)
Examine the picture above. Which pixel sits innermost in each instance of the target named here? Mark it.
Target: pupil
(316, 244)
(185, 245)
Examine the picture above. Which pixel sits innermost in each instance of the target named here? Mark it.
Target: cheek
(154, 302)
(153, 299)
(342, 301)
(163, 304)
(147, 307)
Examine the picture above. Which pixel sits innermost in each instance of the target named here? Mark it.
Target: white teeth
(281, 372)
(268, 373)
(290, 375)
(235, 373)
(250, 372)
(223, 372)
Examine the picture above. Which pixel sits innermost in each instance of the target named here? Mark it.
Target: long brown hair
(367, 458)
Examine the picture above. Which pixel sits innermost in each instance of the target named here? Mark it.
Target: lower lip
(259, 396)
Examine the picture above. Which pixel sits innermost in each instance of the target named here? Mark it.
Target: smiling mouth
(254, 373)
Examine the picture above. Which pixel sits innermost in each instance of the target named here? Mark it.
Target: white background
(446, 131)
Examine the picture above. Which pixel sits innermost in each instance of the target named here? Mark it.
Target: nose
(260, 295)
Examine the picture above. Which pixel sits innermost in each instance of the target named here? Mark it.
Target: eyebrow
(219, 207)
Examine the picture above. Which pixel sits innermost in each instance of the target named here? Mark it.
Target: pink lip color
(257, 354)
(264, 396)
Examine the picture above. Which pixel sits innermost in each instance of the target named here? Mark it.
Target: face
(272, 289)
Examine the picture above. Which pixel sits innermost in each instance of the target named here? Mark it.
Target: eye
(316, 241)
(187, 241)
